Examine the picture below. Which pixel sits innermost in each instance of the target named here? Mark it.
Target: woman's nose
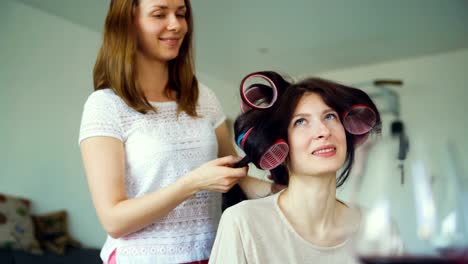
(321, 131)
(174, 23)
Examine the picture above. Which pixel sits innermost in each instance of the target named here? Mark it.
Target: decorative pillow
(16, 226)
(52, 232)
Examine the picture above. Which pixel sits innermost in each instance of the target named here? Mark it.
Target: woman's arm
(104, 162)
(252, 187)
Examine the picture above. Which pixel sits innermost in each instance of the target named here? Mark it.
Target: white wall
(434, 103)
(45, 77)
(227, 92)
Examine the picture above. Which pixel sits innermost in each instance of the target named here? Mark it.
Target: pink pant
(113, 259)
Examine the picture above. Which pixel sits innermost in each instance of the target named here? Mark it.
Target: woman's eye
(181, 15)
(330, 116)
(159, 15)
(299, 122)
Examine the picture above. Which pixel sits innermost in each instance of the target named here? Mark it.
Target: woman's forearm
(131, 215)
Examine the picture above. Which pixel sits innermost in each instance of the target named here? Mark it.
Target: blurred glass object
(425, 219)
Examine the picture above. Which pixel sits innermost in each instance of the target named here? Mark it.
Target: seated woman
(304, 223)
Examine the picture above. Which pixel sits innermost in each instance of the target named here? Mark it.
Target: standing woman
(150, 139)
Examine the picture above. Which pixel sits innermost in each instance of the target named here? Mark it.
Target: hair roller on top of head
(260, 90)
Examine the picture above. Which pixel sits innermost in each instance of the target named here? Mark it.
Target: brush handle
(242, 163)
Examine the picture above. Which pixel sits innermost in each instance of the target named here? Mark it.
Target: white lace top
(159, 149)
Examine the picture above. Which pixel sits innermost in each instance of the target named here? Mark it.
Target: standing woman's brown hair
(115, 63)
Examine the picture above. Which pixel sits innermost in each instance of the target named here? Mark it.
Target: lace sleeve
(214, 106)
(100, 117)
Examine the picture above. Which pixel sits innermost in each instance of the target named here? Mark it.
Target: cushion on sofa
(16, 226)
(52, 232)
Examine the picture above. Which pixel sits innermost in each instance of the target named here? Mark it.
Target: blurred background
(48, 48)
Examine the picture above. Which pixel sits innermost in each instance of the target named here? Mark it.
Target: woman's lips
(170, 41)
(325, 152)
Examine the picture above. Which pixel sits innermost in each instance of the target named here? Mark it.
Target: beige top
(257, 231)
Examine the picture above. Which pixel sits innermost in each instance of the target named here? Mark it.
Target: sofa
(71, 256)
(31, 238)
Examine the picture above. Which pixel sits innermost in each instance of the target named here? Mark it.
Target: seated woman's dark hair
(270, 124)
(337, 96)
(255, 134)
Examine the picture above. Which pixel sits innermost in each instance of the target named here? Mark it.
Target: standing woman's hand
(216, 175)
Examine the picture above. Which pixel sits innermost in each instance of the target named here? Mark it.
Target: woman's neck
(152, 76)
(309, 203)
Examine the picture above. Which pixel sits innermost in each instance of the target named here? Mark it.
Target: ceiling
(301, 37)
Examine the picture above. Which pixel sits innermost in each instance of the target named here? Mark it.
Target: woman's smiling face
(317, 139)
(161, 27)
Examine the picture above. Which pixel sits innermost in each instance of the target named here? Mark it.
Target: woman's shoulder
(203, 88)
(252, 210)
(205, 93)
(104, 98)
(102, 95)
